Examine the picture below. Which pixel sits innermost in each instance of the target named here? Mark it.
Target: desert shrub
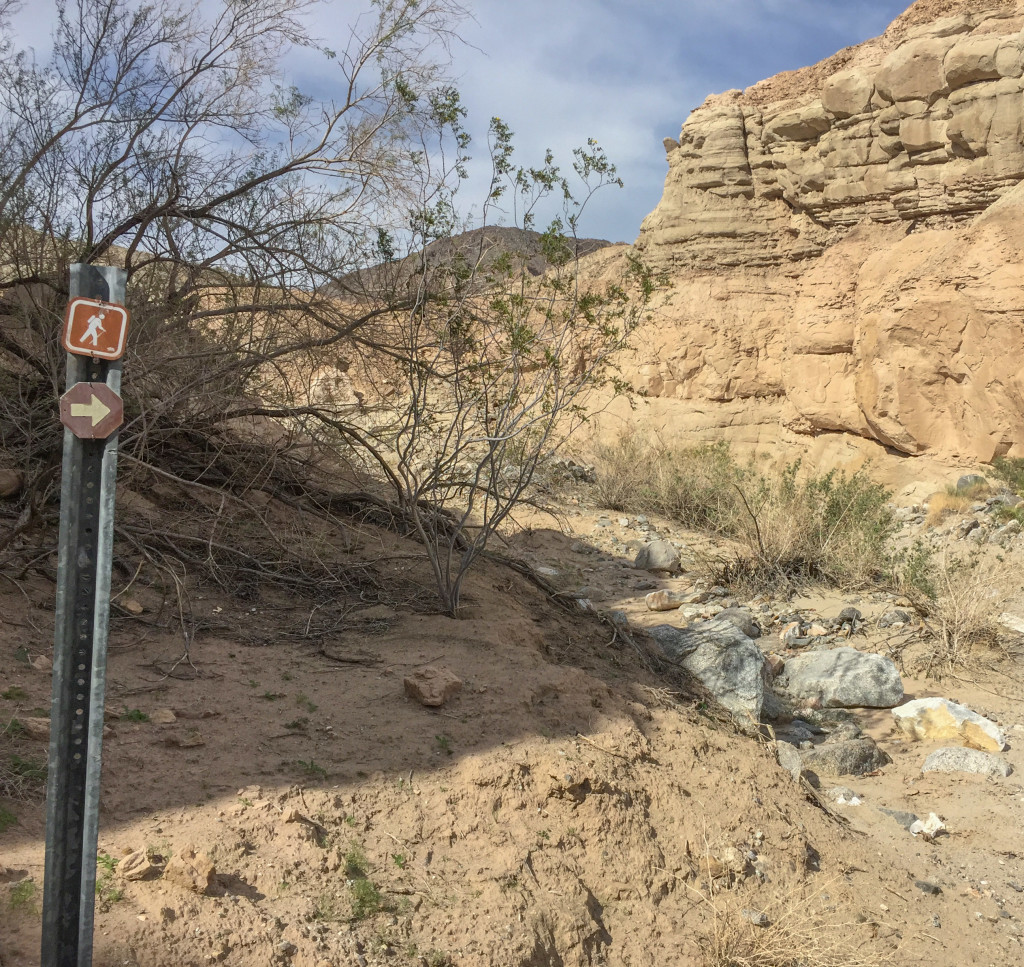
(790, 526)
(1011, 471)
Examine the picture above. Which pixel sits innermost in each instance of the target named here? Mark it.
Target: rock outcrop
(845, 246)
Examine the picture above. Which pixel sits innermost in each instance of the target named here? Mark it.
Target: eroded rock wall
(846, 243)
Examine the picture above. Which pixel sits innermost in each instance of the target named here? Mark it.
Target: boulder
(841, 678)
(723, 659)
(657, 556)
(848, 757)
(847, 93)
(959, 759)
(939, 719)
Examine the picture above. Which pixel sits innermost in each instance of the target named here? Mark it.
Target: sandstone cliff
(846, 247)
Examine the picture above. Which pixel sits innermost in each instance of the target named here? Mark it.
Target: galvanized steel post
(80, 657)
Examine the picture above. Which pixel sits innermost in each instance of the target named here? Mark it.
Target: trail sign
(92, 411)
(95, 328)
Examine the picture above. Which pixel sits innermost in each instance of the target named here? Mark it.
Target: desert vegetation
(277, 245)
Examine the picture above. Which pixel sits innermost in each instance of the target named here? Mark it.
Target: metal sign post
(82, 622)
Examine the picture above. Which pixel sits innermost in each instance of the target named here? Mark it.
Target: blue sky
(624, 72)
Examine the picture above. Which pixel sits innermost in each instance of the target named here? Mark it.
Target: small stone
(36, 728)
(41, 663)
(132, 606)
(664, 601)
(432, 686)
(905, 819)
(755, 917)
(848, 757)
(849, 616)
(163, 716)
(933, 889)
(192, 870)
(136, 866)
(11, 482)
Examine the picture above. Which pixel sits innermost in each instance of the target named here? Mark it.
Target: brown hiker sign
(94, 328)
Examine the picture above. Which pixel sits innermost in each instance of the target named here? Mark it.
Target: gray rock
(894, 616)
(849, 616)
(905, 819)
(1008, 530)
(1012, 622)
(790, 759)
(849, 757)
(844, 793)
(969, 480)
(842, 678)
(933, 889)
(960, 759)
(657, 556)
(742, 619)
(724, 659)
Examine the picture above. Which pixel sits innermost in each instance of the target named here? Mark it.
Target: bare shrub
(965, 597)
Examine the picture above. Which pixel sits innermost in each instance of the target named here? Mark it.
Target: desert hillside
(844, 247)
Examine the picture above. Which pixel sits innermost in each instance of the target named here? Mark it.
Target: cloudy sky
(624, 72)
(628, 72)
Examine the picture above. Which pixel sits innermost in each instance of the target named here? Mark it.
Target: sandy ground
(567, 806)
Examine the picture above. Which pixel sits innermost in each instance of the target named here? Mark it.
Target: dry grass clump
(947, 503)
(787, 933)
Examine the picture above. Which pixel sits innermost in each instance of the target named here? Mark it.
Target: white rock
(939, 718)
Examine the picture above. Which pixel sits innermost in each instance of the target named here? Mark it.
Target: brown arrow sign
(92, 411)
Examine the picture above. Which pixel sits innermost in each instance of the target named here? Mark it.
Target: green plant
(304, 702)
(444, 744)
(400, 859)
(135, 715)
(297, 725)
(366, 899)
(107, 892)
(272, 696)
(355, 862)
(311, 768)
(22, 896)
(7, 819)
(13, 728)
(14, 693)
(28, 769)
(1011, 471)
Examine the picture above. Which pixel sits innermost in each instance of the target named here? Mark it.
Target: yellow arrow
(97, 410)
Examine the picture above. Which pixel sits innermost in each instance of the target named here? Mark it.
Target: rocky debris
(192, 870)
(936, 719)
(959, 759)
(664, 600)
(895, 618)
(928, 828)
(846, 757)
(657, 556)
(432, 686)
(724, 659)
(841, 678)
(789, 758)
(163, 716)
(926, 886)
(843, 796)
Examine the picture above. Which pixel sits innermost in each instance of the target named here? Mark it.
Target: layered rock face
(846, 244)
